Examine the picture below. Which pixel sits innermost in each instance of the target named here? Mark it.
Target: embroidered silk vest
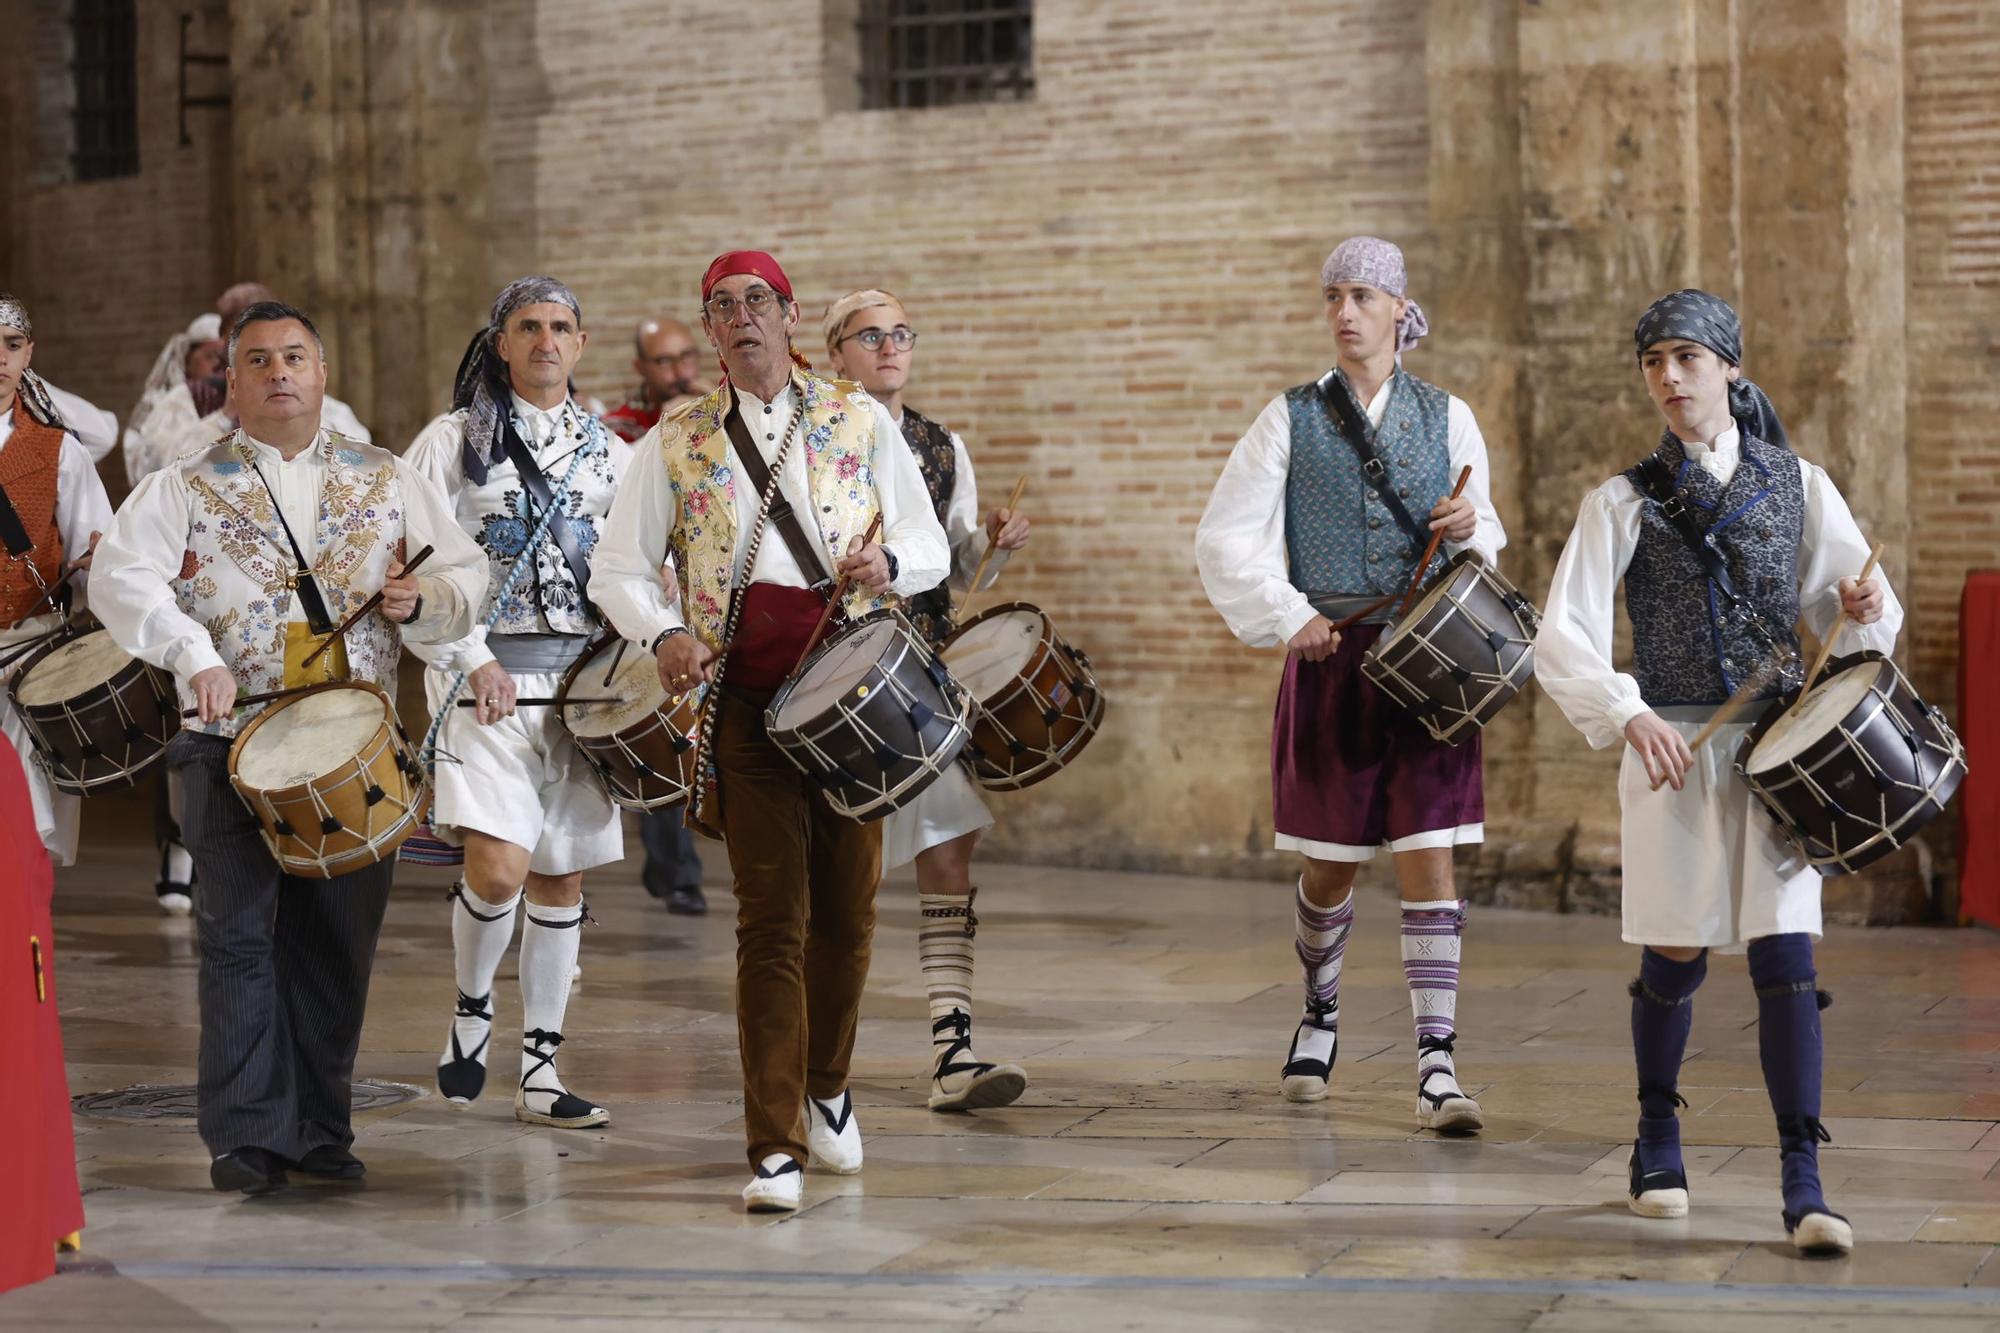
(29, 467)
(235, 573)
(930, 611)
(1684, 650)
(1339, 535)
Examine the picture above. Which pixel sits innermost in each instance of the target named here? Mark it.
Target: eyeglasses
(690, 356)
(903, 336)
(759, 301)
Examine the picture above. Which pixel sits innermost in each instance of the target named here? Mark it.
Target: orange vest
(28, 469)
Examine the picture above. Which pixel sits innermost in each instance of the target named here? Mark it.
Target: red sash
(771, 634)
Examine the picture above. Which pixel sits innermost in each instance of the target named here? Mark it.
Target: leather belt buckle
(1374, 470)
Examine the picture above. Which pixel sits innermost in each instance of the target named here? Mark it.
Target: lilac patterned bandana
(1379, 264)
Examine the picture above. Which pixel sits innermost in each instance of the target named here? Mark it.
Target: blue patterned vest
(1339, 536)
(1684, 650)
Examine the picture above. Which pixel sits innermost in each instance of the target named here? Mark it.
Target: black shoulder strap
(759, 472)
(537, 486)
(1658, 480)
(1360, 436)
(13, 533)
(311, 600)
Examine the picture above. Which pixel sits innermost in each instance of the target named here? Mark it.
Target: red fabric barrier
(1978, 722)
(37, 1145)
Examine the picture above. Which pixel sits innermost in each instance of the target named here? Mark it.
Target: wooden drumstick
(1430, 552)
(1839, 621)
(986, 555)
(549, 702)
(839, 592)
(244, 701)
(367, 606)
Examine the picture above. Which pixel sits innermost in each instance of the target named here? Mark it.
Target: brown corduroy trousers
(805, 926)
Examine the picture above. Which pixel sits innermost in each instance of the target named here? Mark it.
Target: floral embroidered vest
(839, 443)
(29, 466)
(234, 574)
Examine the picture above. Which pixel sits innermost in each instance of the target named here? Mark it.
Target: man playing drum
(1311, 520)
(228, 568)
(510, 783)
(1702, 868)
(869, 340)
(753, 555)
(52, 511)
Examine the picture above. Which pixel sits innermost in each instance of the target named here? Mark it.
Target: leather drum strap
(803, 549)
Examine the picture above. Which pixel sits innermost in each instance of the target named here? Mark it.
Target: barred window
(923, 53)
(104, 70)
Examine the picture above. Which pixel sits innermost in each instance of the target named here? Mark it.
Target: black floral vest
(930, 611)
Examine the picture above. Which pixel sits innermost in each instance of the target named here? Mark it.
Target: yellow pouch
(299, 643)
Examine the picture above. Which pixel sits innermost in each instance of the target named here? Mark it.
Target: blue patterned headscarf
(481, 387)
(1702, 317)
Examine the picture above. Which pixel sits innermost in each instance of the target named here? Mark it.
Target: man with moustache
(226, 568)
(805, 876)
(1312, 519)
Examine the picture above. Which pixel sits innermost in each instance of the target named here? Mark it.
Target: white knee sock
(549, 944)
(480, 934)
(944, 947)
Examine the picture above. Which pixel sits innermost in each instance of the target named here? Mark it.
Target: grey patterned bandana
(33, 392)
(481, 385)
(1379, 264)
(1703, 317)
(14, 315)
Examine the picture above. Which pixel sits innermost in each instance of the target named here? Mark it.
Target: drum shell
(1035, 724)
(834, 747)
(125, 721)
(1909, 784)
(369, 831)
(648, 765)
(1484, 627)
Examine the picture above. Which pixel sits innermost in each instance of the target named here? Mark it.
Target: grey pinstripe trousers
(284, 972)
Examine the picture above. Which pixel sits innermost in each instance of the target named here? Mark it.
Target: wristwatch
(890, 556)
(666, 634)
(416, 609)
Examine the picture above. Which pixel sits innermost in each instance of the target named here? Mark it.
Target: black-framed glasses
(759, 301)
(691, 356)
(902, 337)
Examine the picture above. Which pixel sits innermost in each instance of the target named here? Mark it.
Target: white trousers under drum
(56, 812)
(1706, 866)
(521, 780)
(948, 808)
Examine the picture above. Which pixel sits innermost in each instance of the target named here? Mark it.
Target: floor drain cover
(147, 1102)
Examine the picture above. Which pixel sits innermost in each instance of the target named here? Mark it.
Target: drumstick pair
(1744, 692)
(1408, 594)
(341, 630)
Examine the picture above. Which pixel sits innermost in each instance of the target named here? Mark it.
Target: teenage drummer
(869, 339)
(1325, 506)
(1723, 539)
(52, 511)
(511, 785)
(762, 491)
(228, 569)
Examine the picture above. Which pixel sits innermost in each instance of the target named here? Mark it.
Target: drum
(332, 777)
(1857, 768)
(1035, 702)
(642, 746)
(871, 716)
(1460, 653)
(98, 716)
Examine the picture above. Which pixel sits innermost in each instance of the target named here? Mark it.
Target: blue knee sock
(1662, 1014)
(1791, 1050)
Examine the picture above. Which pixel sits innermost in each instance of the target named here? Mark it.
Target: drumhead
(1422, 606)
(838, 669)
(990, 655)
(309, 736)
(636, 687)
(81, 664)
(1829, 703)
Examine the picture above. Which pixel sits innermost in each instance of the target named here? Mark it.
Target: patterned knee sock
(1790, 1047)
(480, 934)
(1321, 945)
(944, 948)
(1662, 1015)
(549, 944)
(1431, 933)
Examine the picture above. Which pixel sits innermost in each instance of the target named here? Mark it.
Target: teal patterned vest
(1339, 535)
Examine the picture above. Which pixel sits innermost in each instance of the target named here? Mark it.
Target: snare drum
(1035, 702)
(872, 716)
(642, 747)
(1460, 653)
(332, 778)
(98, 716)
(1857, 768)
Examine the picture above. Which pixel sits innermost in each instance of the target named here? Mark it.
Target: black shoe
(254, 1171)
(330, 1161)
(687, 901)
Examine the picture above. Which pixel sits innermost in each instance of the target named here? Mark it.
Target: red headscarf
(758, 264)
